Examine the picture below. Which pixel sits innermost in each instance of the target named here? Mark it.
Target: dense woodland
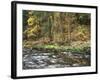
(55, 29)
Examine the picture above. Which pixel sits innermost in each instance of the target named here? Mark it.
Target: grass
(79, 48)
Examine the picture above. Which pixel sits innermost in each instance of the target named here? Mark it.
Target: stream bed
(35, 59)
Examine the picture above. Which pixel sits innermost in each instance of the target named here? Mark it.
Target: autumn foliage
(61, 28)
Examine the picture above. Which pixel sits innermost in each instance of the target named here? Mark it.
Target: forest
(56, 39)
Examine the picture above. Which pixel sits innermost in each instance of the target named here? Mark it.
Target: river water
(34, 59)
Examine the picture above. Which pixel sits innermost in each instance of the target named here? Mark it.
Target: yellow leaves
(29, 33)
(35, 29)
(30, 21)
(31, 36)
(32, 32)
(27, 44)
(81, 33)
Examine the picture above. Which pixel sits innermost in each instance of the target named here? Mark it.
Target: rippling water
(33, 59)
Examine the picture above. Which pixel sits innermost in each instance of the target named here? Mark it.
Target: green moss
(83, 48)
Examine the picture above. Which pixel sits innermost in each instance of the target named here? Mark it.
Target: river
(34, 59)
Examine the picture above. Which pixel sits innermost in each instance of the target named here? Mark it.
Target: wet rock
(46, 54)
(53, 56)
(77, 55)
(67, 65)
(67, 53)
(35, 59)
(54, 66)
(75, 65)
(87, 56)
(53, 61)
